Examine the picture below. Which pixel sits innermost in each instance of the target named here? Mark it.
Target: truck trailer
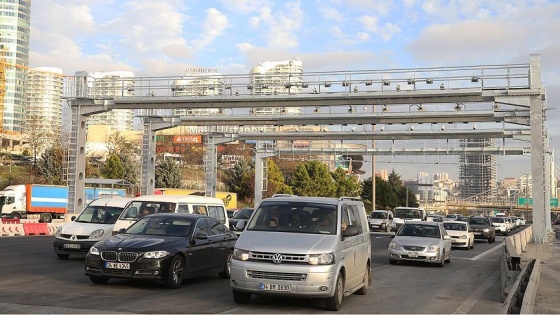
(49, 202)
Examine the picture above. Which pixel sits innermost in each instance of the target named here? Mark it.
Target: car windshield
(138, 209)
(497, 220)
(99, 215)
(378, 215)
(294, 217)
(437, 218)
(419, 230)
(243, 214)
(161, 226)
(451, 216)
(478, 221)
(455, 226)
(408, 214)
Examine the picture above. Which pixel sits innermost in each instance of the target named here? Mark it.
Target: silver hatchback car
(421, 241)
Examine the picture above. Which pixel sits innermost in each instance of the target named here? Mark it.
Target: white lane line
(471, 301)
(477, 257)
(380, 267)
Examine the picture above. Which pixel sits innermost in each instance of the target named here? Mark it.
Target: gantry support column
(151, 125)
(211, 140)
(260, 155)
(539, 166)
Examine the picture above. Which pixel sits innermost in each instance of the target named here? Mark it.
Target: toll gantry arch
(504, 102)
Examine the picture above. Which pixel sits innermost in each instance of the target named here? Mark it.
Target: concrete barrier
(515, 297)
(12, 229)
(35, 228)
(52, 227)
(531, 289)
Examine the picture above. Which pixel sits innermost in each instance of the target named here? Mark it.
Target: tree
(346, 185)
(50, 165)
(312, 178)
(113, 167)
(276, 184)
(130, 168)
(39, 134)
(395, 180)
(385, 197)
(168, 175)
(240, 179)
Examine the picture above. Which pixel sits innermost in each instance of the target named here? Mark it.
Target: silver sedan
(421, 241)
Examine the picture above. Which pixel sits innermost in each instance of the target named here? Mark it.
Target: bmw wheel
(174, 277)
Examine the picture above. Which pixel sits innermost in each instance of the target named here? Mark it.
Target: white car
(501, 225)
(461, 234)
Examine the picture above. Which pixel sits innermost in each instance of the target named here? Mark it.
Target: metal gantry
(493, 102)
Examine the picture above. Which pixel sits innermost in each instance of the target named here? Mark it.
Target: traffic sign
(529, 202)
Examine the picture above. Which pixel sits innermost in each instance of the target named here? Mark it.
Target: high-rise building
(199, 84)
(44, 106)
(477, 171)
(109, 85)
(14, 47)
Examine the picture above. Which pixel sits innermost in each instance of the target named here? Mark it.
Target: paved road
(34, 280)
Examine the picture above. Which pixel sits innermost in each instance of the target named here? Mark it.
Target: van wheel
(174, 276)
(99, 279)
(241, 297)
(227, 268)
(334, 303)
(63, 256)
(367, 282)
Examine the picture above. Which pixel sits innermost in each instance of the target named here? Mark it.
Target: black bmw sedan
(166, 247)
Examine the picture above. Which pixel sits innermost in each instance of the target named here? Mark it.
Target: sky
(164, 37)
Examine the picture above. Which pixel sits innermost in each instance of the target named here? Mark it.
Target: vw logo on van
(277, 258)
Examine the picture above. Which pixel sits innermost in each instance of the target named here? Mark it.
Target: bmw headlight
(321, 259)
(93, 251)
(240, 254)
(433, 248)
(156, 254)
(486, 230)
(58, 231)
(395, 246)
(96, 234)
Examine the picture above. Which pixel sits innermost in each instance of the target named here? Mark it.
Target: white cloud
(213, 26)
(245, 6)
(244, 47)
(386, 32)
(280, 27)
(332, 14)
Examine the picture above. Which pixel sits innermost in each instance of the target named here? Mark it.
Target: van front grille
(256, 274)
(286, 258)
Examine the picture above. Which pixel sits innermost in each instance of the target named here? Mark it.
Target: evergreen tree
(238, 179)
(168, 175)
(276, 184)
(312, 178)
(49, 166)
(346, 185)
(113, 167)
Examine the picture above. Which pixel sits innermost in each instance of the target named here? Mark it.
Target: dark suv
(483, 229)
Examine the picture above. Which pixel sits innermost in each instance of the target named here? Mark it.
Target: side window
(199, 209)
(183, 209)
(218, 213)
(354, 214)
(201, 226)
(215, 227)
(345, 218)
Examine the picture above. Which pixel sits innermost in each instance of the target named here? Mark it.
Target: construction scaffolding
(477, 170)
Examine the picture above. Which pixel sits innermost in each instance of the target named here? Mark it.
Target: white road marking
(471, 301)
(477, 257)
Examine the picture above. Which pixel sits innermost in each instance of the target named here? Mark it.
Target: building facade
(14, 41)
(477, 171)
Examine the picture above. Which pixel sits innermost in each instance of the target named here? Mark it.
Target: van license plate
(73, 246)
(274, 287)
(113, 265)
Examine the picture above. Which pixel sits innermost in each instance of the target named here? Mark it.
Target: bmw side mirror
(200, 236)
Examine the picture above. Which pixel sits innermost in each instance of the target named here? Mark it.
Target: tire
(241, 297)
(448, 260)
(367, 281)
(472, 244)
(174, 276)
(334, 303)
(99, 279)
(46, 218)
(15, 216)
(442, 262)
(392, 261)
(226, 273)
(490, 239)
(63, 256)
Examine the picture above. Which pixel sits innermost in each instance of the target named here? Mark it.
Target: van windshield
(408, 213)
(99, 215)
(378, 215)
(294, 217)
(139, 209)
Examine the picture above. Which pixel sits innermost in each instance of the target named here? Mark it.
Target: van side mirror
(73, 218)
(351, 230)
(240, 225)
(121, 231)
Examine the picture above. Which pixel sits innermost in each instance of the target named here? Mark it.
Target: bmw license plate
(114, 265)
(72, 246)
(274, 287)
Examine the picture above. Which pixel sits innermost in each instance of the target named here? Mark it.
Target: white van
(144, 205)
(93, 224)
(304, 247)
(403, 214)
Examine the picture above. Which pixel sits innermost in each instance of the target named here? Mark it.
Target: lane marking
(471, 301)
(477, 257)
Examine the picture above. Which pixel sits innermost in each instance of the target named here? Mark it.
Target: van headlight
(463, 236)
(58, 231)
(395, 246)
(93, 251)
(96, 234)
(240, 254)
(321, 259)
(433, 248)
(156, 254)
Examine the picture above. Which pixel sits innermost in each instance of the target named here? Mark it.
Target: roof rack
(283, 195)
(349, 198)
